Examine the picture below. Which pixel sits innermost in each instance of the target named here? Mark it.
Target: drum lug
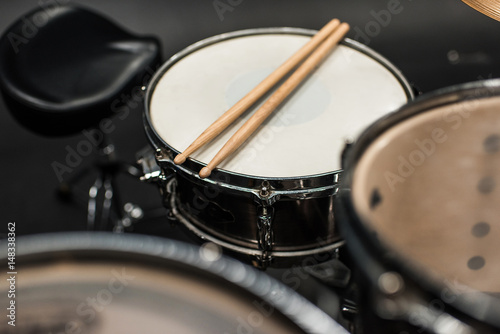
(264, 225)
(167, 190)
(167, 185)
(265, 198)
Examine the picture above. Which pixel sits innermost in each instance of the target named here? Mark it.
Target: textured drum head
(100, 283)
(115, 298)
(429, 189)
(305, 135)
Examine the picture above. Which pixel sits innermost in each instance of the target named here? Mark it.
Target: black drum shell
(234, 215)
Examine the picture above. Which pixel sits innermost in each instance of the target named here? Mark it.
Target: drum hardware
(265, 232)
(132, 214)
(349, 313)
(265, 200)
(168, 196)
(349, 309)
(152, 173)
(104, 208)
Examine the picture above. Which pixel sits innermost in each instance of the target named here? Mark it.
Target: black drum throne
(63, 71)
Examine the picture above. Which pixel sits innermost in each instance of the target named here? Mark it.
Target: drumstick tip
(179, 159)
(205, 172)
(346, 25)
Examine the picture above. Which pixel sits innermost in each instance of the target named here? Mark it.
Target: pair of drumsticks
(322, 43)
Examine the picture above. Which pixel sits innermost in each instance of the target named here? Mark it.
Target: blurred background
(435, 43)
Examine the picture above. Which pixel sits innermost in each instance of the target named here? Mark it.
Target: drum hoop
(154, 251)
(364, 242)
(193, 166)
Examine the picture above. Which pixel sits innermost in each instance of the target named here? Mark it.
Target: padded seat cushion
(64, 75)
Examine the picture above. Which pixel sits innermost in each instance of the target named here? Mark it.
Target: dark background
(436, 43)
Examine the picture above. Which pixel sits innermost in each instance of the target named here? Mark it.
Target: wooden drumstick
(276, 98)
(256, 93)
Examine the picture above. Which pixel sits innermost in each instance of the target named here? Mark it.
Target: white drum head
(305, 135)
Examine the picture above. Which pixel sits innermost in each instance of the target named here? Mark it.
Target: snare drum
(272, 200)
(419, 210)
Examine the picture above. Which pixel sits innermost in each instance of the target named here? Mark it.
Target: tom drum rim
(82, 249)
(376, 256)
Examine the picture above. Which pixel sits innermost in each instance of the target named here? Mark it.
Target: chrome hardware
(132, 214)
(150, 168)
(264, 225)
(265, 195)
(349, 309)
(265, 199)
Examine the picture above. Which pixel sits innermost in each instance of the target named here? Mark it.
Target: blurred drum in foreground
(271, 202)
(419, 210)
(106, 283)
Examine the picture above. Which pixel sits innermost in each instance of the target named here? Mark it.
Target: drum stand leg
(104, 208)
(103, 184)
(112, 212)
